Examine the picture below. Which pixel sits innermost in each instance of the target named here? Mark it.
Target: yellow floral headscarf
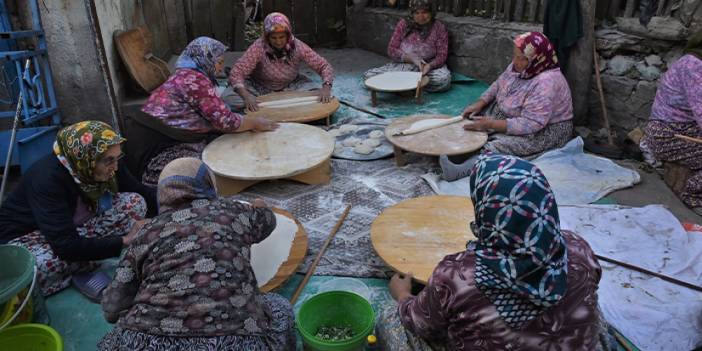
(78, 147)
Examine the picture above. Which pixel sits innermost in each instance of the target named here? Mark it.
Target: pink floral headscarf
(277, 22)
(540, 52)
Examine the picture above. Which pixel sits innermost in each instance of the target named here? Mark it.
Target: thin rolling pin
(313, 267)
(685, 137)
(655, 274)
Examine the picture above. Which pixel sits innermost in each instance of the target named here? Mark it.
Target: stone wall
(632, 60)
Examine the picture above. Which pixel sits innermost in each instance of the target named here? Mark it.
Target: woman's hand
(260, 124)
(426, 68)
(325, 93)
(401, 286)
(250, 102)
(473, 108)
(480, 124)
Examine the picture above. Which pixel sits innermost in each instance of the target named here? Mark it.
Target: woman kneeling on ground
(529, 106)
(677, 109)
(419, 44)
(75, 206)
(186, 282)
(523, 284)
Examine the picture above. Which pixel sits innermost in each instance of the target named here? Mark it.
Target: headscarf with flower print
(539, 51)
(277, 22)
(78, 147)
(521, 261)
(201, 55)
(425, 29)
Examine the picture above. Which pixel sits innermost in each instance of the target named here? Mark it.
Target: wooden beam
(661, 7)
(519, 11)
(615, 8)
(533, 8)
(630, 8)
(509, 7)
(459, 7)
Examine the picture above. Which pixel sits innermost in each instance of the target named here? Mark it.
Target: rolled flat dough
(351, 141)
(363, 149)
(376, 134)
(294, 104)
(428, 124)
(288, 101)
(348, 128)
(394, 81)
(268, 255)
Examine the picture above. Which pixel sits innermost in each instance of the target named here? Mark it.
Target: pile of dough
(366, 146)
(348, 128)
(351, 142)
(376, 134)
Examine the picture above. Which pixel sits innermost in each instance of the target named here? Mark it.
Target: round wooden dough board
(300, 114)
(295, 258)
(379, 82)
(446, 140)
(290, 150)
(416, 234)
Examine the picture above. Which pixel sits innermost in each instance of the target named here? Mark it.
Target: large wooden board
(135, 47)
(446, 140)
(300, 114)
(297, 255)
(290, 150)
(416, 234)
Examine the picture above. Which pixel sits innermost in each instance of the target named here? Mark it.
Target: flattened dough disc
(300, 113)
(290, 150)
(446, 140)
(395, 81)
(286, 266)
(416, 234)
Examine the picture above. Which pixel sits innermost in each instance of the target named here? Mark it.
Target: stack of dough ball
(376, 134)
(351, 142)
(367, 146)
(347, 128)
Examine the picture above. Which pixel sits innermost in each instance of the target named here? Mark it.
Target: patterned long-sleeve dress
(677, 109)
(433, 49)
(452, 313)
(539, 112)
(186, 283)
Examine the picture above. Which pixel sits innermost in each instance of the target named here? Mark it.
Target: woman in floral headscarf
(272, 63)
(524, 284)
(419, 43)
(529, 106)
(76, 205)
(677, 109)
(186, 283)
(185, 112)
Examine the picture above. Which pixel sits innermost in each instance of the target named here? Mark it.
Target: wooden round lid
(446, 140)
(395, 81)
(295, 258)
(300, 114)
(416, 234)
(290, 150)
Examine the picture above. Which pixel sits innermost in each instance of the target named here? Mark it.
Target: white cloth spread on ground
(576, 178)
(654, 314)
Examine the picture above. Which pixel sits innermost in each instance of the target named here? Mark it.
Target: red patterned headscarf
(277, 22)
(540, 52)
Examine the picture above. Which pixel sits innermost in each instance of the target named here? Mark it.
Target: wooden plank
(508, 9)
(497, 11)
(175, 21)
(533, 8)
(304, 20)
(199, 19)
(542, 8)
(615, 8)
(329, 15)
(519, 11)
(222, 17)
(239, 28)
(630, 7)
(459, 7)
(661, 7)
(669, 9)
(155, 20)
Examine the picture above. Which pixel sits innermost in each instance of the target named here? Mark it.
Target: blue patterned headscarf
(521, 260)
(183, 181)
(202, 54)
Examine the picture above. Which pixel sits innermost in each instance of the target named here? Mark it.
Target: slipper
(91, 284)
